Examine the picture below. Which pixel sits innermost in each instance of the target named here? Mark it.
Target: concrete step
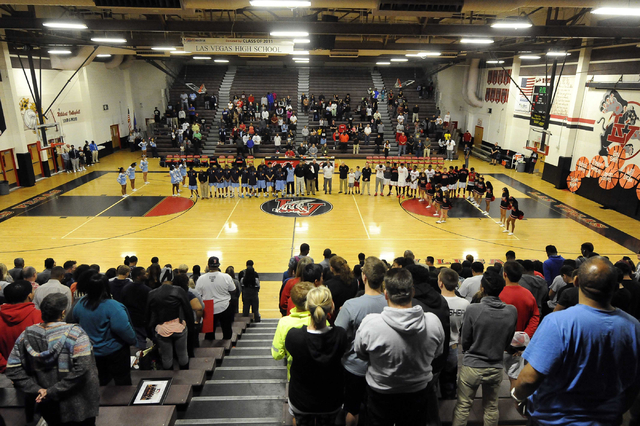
(265, 407)
(274, 387)
(250, 373)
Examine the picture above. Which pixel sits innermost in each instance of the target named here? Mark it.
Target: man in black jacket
(134, 298)
(344, 174)
(300, 173)
(366, 179)
(310, 177)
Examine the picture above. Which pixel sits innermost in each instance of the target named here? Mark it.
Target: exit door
(115, 136)
(9, 172)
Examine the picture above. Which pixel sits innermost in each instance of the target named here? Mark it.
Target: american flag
(526, 84)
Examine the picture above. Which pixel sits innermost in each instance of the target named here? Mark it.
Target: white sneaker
(134, 190)
(439, 221)
(486, 213)
(428, 206)
(501, 225)
(147, 183)
(510, 233)
(505, 230)
(436, 214)
(125, 195)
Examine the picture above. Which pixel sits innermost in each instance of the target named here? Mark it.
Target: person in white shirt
(403, 174)
(367, 132)
(451, 146)
(184, 100)
(53, 286)
(256, 143)
(277, 141)
(217, 286)
(265, 114)
(448, 283)
(471, 286)
(447, 119)
(376, 116)
(182, 115)
(305, 134)
(380, 168)
(413, 187)
(400, 119)
(429, 172)
(327, 171)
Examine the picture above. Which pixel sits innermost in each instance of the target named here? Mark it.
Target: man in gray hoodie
(399, 345)
(487, 330)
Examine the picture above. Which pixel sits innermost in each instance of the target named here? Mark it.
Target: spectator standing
(552, 265)
(216, 286)
(298, 317)
(106, 321)
(250, 289)
(117, 284)
(535, 284)
(448, 283)
(344, 174)
(54, 360)
(316, 376)
(471, 286)
(487, 331)
(343, 284)
(528, 315)
(582, 364)
(53, 286)
(18, 265)
(45, 275)
(327, 173)
(350, 317)
(16, 314)
(134, 298)
(412, 338)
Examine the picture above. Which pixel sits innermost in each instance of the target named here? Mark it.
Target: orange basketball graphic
(617, 155)
(574, 180)
(598, 164)
(629, 176)
(609, 178)
(583, 166)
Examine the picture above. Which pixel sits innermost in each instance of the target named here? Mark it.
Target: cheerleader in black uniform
(478, 191)
(516, 213)
(489, 197)
(444, 209)
(422, 185)
(504, 207)
(439, 195)
(431, 192)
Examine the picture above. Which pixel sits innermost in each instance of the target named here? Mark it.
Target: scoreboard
(539, 106)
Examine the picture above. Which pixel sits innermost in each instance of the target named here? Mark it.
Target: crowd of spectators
(381, 339)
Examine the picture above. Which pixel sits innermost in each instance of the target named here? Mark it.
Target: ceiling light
(65, 25)
(399, 59)
(289, 34)
(301, 62)
(300, 52)
(301, 41)
(280, 3)
(513, 25)
(300, 59)
(163, 48)
(103, 55)
(59, 52)
(221, 61)
(621, 11)
(529, 57)
(108, 40)
(202, 57)
(422, 54)
(476, 40)
(495, 62)
(180, 52)
(383, 63)
(558, 54)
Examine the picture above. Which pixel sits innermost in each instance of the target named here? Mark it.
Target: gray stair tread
(214, 389)
(251, 362)
(234, 408)
(224, 374)
(244, 343)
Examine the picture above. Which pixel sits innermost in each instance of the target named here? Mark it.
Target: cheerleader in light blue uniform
(143, 147)
(144, 166)
(131, 173)
(183, 172)
(122, 180)
(175, 181)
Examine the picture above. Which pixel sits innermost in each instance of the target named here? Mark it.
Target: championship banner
(237, 45)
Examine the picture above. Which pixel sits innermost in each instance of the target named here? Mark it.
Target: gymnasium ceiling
(364, 30)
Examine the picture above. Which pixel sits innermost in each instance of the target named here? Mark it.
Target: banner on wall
(237, 45)
(69, 113)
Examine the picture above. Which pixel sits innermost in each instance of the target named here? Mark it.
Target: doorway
(8, 163)
(36, 160)
(115, 136)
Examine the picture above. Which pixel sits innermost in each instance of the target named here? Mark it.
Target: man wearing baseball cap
(217, 286)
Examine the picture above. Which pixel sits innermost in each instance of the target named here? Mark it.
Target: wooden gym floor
(82, 217)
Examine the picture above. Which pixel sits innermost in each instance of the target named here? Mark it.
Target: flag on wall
(135, 123)
(202, 89)
(129, 119)
(526, 84)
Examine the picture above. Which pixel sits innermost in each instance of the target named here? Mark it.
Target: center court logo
(296, 207)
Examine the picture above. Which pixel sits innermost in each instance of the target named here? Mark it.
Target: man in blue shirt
(551, 266)
(582, 362)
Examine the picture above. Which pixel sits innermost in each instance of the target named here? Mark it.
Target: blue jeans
(402, 149)
(177, 342)
(448, 379)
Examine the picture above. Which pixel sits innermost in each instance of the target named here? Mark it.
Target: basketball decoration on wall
(629, 176)
(598, 164)
(610, 177)
(582, 167)
(617, 155)
(573, 181)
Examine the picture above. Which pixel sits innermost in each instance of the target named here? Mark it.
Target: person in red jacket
(16, 315)
(528, 317)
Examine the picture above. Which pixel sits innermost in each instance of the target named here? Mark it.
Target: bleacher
(211, 77)
(483, 151)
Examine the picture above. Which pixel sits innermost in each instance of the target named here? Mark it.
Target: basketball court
(83, 217)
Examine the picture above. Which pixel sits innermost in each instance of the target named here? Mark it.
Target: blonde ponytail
(319, 304)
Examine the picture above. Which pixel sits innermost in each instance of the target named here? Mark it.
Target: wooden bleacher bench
(158, 415)
(224, 344)
(215, 353)
(178, 395)
(191, 377)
